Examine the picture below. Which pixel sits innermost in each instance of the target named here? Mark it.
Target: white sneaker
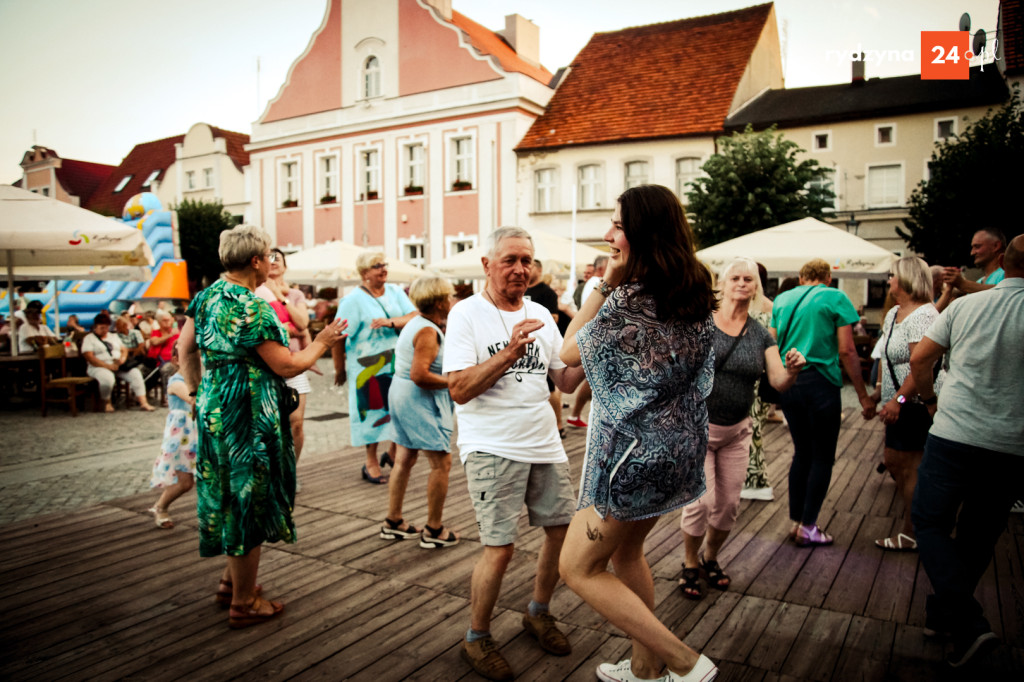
(704, 671)
(1018, 507)
(765, 494)
(621, 672)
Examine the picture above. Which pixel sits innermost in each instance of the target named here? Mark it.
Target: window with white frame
(371, 77)
(413, 157)
(827, 181)
(945, 128)
(190, 179)
(327, 179)
(885, 134)
(412, 251)
(461, 169)
(591, 188)
(460, 244)
(544, 183)
(885, 185)
(289, 189)
(636, 173)
(208, 177)
(150, 178)
(687, 170)
(369, 174)
(821, 141)
(124, 182)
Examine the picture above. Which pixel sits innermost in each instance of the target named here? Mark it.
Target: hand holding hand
(868, 405)
(382, 322)
(333, 333)
(890, 412)
(795, 360)
(952, 276)
(521, 336)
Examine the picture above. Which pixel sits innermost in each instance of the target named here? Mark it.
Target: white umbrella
(52, 236)
(785, 248)
(556, 254)
(335, 263)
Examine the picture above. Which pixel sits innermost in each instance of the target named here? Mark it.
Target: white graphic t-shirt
(513, 418)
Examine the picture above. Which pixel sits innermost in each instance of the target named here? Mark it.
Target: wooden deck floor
(101, 594)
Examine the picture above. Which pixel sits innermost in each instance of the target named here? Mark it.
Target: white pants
(106, 380)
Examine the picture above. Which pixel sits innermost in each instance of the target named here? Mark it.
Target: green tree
(976, 181)
(754, 182)
(199, 226)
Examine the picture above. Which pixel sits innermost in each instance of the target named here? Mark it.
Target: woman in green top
(245, 465)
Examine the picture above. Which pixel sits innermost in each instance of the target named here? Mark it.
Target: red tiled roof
(487, 41)
(81, 178)
(235, 145)
(141, 161)
(662, 80)
(1012, 38)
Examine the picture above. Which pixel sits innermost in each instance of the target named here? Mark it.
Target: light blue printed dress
(423, 419)
(370, 360)
(178, 450)
(648, 430)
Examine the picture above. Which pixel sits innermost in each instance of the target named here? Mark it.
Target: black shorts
(911, 430)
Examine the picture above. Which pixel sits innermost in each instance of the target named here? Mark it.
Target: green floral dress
(245, 465)
(757, 470)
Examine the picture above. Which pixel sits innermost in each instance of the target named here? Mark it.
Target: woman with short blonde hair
(376, 312)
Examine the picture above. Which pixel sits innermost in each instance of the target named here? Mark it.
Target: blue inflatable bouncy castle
(86, 298)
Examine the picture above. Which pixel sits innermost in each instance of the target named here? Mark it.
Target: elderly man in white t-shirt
(498, 351)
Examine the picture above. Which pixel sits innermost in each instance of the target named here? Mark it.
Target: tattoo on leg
(594, 534)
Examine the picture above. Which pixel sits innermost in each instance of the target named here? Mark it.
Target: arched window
(371, 77)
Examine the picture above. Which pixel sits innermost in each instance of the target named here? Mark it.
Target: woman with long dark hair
(644, 338)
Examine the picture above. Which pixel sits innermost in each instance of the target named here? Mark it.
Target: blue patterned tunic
(649, 425)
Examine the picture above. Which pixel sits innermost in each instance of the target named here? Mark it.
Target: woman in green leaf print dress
(245, 465)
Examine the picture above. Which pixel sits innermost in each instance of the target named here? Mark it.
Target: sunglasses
(274, 257)
(378, 266)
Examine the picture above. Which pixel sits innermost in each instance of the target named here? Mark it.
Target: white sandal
(901, 543)
(161, 517)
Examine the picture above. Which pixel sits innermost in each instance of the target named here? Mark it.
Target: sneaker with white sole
(621, 672)
(703, 671)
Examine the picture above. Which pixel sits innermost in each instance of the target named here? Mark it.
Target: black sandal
(715, 575)
(690, 585)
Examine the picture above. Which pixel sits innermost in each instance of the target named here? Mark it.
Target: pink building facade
(395, 130)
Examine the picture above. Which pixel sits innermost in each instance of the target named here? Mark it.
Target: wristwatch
(901, 399)
(604, 288)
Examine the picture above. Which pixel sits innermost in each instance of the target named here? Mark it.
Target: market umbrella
(785, 248)
(554, 252)
(334, 263)
(58, 239)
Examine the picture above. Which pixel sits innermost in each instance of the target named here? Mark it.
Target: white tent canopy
(334, 263)
(555, 253)
(53, 239)
(785, 248)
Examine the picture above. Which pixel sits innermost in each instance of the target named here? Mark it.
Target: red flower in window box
(328, 199)
(461, 185)
(413, 190)
(289, 203)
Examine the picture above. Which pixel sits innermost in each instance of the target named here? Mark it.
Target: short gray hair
(163, 315)
(914, 277)
(239, 244)
(494, 238)
(427, 291)
(367, 260)
(749, 267)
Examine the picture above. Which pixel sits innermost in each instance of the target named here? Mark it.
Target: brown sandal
(242, 616)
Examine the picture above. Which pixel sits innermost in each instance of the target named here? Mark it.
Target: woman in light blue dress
(421, 414)
(376, 312)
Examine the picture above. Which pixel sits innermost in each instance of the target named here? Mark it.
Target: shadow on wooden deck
(101, 594)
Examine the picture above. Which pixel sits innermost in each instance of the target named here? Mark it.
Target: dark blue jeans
(986, 483)
(813, 409)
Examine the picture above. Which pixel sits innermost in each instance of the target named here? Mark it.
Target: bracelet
(604, 288)
(392, 324)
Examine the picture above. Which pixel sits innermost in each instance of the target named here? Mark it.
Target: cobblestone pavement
(60, 463)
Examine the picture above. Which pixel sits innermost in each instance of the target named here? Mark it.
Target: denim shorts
(500, 487)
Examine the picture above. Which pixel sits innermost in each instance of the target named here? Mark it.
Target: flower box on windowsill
(328, 199)
(413, 190)
(461, 186)
(289, 203)
(369, 196)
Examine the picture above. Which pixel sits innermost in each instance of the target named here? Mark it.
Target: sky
(90, 79)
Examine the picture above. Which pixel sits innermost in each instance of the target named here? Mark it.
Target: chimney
(442, 7)
(858, 69)
(524, 37)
